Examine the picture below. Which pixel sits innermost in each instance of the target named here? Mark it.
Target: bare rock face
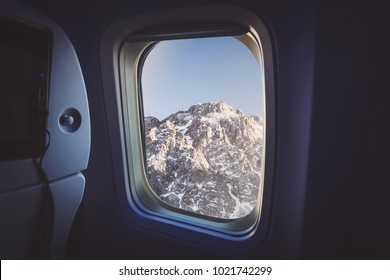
(206, 160)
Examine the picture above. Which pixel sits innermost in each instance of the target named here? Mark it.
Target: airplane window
(203, 120)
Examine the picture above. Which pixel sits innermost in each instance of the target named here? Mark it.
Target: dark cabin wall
(347, 204)
(346, 209)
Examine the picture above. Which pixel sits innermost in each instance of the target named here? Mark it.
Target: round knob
(67, 120)
(70, 120)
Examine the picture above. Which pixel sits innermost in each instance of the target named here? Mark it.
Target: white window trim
(141, 208)
(131, 58)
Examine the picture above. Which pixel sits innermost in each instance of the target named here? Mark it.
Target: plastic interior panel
(68, 151)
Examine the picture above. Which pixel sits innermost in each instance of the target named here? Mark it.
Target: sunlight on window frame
(130, 63)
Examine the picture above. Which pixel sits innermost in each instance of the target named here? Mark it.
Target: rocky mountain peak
(206, 160)
(213, 107)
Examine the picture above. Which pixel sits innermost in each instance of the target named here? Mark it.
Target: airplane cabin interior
(109, 150)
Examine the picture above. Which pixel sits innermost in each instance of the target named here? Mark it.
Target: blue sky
(181, 73)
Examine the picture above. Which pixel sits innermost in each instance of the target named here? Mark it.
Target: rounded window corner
(137, 44)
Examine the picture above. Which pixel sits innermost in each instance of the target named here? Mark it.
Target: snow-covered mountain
(206, 160)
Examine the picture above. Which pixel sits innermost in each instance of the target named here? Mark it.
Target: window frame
(148, 213)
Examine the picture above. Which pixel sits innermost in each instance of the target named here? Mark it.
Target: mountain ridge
(206, 160)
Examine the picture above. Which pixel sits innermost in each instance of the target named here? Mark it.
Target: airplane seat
(25, 179)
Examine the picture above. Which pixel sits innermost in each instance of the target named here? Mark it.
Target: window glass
(203, 108)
